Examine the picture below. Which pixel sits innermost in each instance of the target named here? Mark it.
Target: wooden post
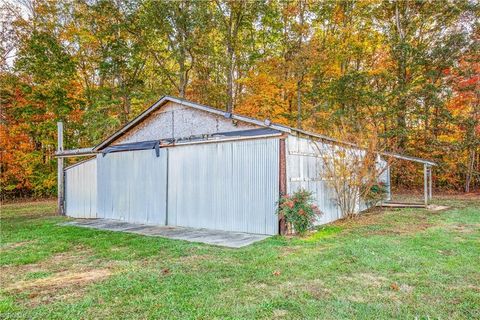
(430, 183)
(389, 177)
(60, 174)
(425, 184)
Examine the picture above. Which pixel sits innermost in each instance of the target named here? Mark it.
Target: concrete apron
(228, 239)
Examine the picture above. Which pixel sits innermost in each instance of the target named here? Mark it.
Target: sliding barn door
(132, 186)
(232, 186)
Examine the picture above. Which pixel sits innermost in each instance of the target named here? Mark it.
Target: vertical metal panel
(132, 186)
(231, 186)
(81, 190)
(304, 171)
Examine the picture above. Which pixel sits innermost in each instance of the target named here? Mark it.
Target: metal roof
(408, 158)
(266, 124)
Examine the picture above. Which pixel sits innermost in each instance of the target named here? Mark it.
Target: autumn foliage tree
(353, 172)
(464, 137)
(407, 70)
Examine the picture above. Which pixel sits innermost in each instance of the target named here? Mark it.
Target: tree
(173, 32)
(41, 91)
(9, 14)
(353, 173)
(465, 107)
(234, 17)
(404, 69)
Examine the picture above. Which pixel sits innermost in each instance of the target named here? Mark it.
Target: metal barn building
(184, 164)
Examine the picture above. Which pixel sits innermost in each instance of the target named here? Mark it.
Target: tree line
(407, 71)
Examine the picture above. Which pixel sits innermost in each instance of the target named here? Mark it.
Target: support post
(430, 183)
(389, 177)
(425, 184)
(60, 173)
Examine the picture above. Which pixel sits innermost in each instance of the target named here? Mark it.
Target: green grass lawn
(407, 263)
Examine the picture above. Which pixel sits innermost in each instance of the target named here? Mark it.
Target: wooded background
(405, 70)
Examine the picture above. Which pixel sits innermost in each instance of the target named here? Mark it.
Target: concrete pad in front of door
(213, 237)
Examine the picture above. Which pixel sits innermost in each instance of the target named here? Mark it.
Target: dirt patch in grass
(317, 289)
(280, 314)
(362, 282)
(61, 276)
(406, 288)
(464, 228)
(374, 287)
(372, 216)
(403, 229)
(288, 251)
(14, 245)
(10, 274)
(61, 286)
(367, 280)
(446, 252)
(60, 280)
(437, 208)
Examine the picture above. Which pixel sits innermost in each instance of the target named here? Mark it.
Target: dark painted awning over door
(134, 146)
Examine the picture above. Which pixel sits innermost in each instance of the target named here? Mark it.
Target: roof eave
(245, 119)
(349, 144)
(408, 158)
(75, 153)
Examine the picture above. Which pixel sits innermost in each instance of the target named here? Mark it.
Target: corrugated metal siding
(132, 186)
(304, 171)
(230, 186)
(81, 190)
